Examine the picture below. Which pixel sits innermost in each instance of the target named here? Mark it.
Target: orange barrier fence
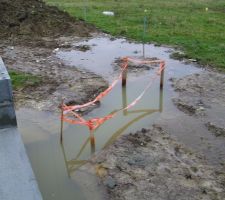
(70, 115)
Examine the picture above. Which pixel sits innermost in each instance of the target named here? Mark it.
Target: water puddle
(103, 52)
(57, 166)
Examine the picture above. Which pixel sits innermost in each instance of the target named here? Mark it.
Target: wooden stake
(61, 129)
(162, 79)
(124, 78)
(161, 100)
(124, 99)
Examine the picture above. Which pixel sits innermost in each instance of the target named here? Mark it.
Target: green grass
(21, 80)
(182, 23)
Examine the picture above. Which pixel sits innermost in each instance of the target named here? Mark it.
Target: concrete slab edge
(17, 180)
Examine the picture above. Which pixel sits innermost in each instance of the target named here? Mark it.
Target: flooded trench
(57, 166)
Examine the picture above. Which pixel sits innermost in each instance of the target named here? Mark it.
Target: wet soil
(134, 67)
(203, 96)
(57, 79)
(149, 164)
(31, 33)
(190, 129)
(160, 164)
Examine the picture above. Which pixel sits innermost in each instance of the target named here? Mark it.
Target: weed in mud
(196, 26)
(21, 80)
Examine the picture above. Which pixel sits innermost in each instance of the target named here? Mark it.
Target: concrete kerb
(7, 112)
(17, 180)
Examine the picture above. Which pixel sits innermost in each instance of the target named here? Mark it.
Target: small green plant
(21, 80)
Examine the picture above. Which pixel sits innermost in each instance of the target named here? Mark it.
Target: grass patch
(22, 80)
(195, 25)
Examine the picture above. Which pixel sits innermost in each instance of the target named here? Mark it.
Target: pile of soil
(33, 18)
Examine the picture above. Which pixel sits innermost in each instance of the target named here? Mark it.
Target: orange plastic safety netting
(70, 115)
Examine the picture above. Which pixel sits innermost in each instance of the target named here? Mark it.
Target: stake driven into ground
(195, 26)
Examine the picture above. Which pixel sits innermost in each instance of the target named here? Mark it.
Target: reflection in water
(161, 100)
(143, 45)
(74, 164)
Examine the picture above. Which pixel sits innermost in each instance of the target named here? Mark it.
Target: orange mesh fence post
(162, 76)
(124, 74)
(124, 78)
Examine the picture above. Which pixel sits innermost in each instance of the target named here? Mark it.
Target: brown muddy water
(57, 166)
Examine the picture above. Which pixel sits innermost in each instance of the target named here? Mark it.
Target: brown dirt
(30, 32)
(34, 19)
(203, 96)
(58, 80)
(149, 164)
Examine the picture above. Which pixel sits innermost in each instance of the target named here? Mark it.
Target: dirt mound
(33, 18)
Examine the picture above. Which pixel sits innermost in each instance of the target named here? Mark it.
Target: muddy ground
(57, 80)
(203, 96)
(149, 164)
(153, 164)
(31, 33)
(134, 67)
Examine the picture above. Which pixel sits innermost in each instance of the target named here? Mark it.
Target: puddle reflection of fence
(74, 164)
